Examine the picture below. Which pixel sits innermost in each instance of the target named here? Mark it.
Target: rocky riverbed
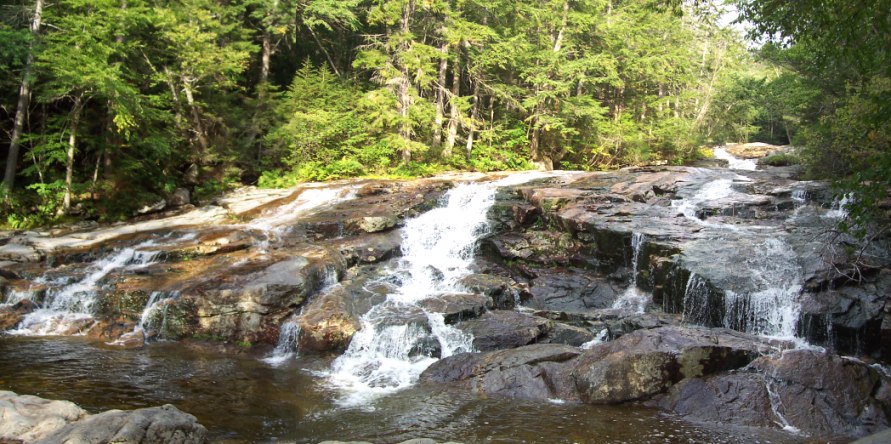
(719, 296)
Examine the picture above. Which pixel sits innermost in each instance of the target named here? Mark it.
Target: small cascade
(278, 221)
(398, 338)
(633, 298)
(773, 308)
(601, 337)
(289, 331)
(735, 163)
(151, 323)
(286, 347)
(15, 296)
(712, 191)
(67, 307)
(696, 300)
(839, 209)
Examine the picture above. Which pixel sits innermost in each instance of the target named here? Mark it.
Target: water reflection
(241, 399)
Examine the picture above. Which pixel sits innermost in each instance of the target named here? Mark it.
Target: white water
(387, 355)
(771, 306)
(735, 163)
(276, 222)
(774, 308)
(599, 339)
(66, 307)
(157, 302)
(633, 298)
(839, 208)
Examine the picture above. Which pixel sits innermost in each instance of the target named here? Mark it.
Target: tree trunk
(403, 88)
(474, 110)
(454, 111)
(196, 118)
(441, 94)
(23, 104)
(72, 144)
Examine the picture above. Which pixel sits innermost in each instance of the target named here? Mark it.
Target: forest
(109, 105)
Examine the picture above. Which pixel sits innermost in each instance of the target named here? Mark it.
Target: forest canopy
(111, 104)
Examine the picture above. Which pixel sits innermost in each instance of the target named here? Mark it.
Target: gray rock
(374, 224)
(539, 371)
(504, 329)
(29, 418)
(457, 307)
(327, 324)
(165, 424)
(180, 197)
(822, 395)
(647, 362)
(41, 421)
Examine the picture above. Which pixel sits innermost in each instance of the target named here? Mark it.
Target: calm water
(241, 399)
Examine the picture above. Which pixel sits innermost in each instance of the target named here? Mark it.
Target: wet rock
(568, 335)
(539, 371)
(26, 418)
(374, 224)
(132, 340)
(371, 248)
(501, 329)
(326, 323)
(824, 396)
(19, 253)
(12, 315)
(500, 289)
(165, 424)
(537, 246)
(457, 307)
(735, 398)
(180, 197)
(754, 150)
(570, 290)
(647, 362)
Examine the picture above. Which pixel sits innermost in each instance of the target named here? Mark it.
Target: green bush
(782, 159)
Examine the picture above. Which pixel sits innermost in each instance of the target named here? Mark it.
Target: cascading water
(769, 304)
(151, 322)
(74, 303)
(633, 298)
(389, 353)
(289, 331)
(276, 222)
(773, 308)
(735, 163)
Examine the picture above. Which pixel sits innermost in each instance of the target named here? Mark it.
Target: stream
(239, 398)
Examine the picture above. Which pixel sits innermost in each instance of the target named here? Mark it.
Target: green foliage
(782, 159)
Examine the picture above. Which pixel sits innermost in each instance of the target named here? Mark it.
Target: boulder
(327, 324)
(180, 197)
(25, 418)
(570, 290)
(500, 289)
(648, 362)
(824, 396)
(539, 371)
(374, 224)
(11, 315)
(165, 424)
(501, 329)
(457, 307)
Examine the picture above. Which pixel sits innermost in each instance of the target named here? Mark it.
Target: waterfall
(773, 308)
(64, 308)
(633, 298)
(839, 209)
(735, 163)
(389, 352)
(155, 308)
